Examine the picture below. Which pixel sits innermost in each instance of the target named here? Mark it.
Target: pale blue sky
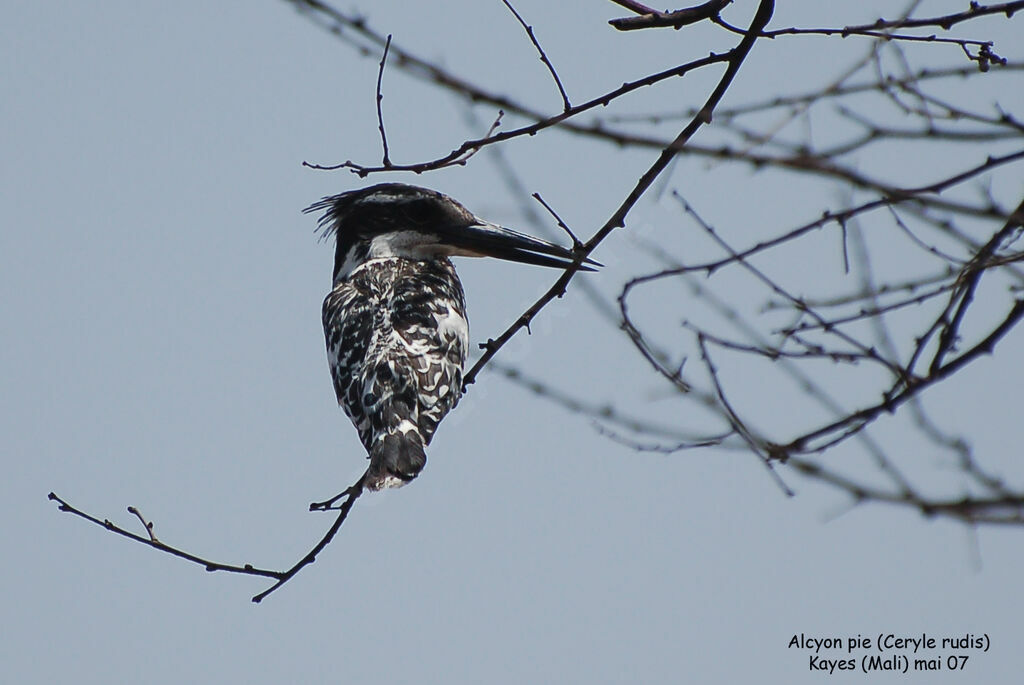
(160, 293)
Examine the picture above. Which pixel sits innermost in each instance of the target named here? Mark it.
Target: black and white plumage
(395, 319)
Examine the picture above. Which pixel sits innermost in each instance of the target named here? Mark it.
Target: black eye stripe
(421, 210)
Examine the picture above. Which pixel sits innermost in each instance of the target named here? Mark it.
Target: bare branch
(948, 21)
(280, 577)
(561, 224)
(914, 325)
(458, 156)
(566, 105)
(617, 220)
(380, 117)
(858, 419)
(651, 18)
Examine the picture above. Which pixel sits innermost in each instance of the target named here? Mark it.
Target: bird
(395, 322)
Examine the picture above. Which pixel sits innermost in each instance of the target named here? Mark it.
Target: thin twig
(949, 20)
(765, 451)
(353, 29)
(280, 577)
(457, 156)
(860, 418)
(380, 97)
(148, 525)
(894, 196)
(566, 105)
(351, 495)
(246, 569)
(637, 7)
(575, 241)
(618, 218)
(1001, 509)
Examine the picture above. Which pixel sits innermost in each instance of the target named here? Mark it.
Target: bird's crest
(338, 209)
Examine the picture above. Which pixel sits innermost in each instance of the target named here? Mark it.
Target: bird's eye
(421, 211)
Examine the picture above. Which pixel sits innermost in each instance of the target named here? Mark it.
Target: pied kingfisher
(395, 319)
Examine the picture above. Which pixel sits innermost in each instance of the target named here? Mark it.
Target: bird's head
(399, 220)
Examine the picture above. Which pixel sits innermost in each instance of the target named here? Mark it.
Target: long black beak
(490, 240)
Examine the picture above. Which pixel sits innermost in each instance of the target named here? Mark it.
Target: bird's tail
(395, 459)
